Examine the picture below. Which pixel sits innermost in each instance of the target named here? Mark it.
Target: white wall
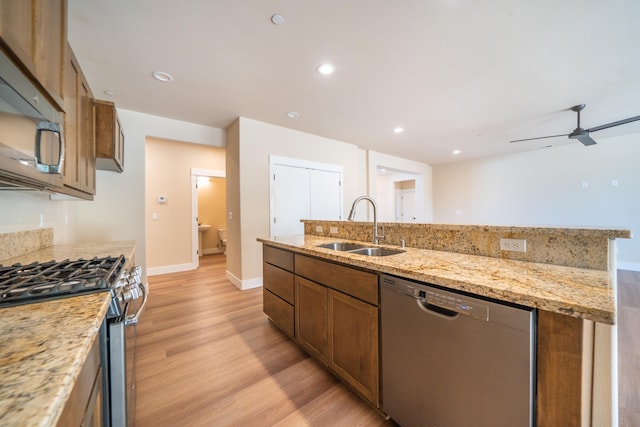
(256, 141)
(547, 187)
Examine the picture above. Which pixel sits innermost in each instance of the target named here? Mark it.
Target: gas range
(42, 281)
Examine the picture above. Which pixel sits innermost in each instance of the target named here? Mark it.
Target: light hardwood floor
(208, 356)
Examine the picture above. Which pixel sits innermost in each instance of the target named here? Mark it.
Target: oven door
(122, 358)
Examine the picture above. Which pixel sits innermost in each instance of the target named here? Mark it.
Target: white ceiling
(455, 74)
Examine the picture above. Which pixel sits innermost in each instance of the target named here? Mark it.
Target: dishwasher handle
(435, 310)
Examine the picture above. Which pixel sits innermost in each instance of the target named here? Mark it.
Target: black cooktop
(39, 281)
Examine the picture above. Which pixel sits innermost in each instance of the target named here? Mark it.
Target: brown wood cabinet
(311, 318)
(337, 321)
(84, 406)
(79, 163)
(109, 137)
(36, 33)
(353, 343)
(278, 288)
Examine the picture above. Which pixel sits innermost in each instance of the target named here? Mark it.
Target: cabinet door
(17, 28)
(311, 317)
(51, 42)
(71, 125)
(353, 343)
(87, 141)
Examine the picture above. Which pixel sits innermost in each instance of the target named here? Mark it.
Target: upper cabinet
(36, 33)
(109, 137)
(79, 164)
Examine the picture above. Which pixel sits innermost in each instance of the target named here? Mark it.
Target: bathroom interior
(211, 212)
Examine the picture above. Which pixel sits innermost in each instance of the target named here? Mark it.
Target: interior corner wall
(234, 225)
(256, 141)
(568, 185)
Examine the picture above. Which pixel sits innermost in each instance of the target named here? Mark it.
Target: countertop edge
(604, 313)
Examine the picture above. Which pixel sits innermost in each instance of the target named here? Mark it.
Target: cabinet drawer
(356, 283)
(278, 257)
(278, 281)
(280, 311)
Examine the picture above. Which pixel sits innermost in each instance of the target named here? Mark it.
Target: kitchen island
(567, 274)
(46, 345)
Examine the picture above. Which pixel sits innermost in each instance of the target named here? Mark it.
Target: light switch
(154, 216)
(229, 215)
(162, 199)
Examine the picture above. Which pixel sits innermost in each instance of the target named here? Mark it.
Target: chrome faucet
(376, 237)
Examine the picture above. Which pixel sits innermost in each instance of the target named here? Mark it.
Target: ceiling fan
(580, 134)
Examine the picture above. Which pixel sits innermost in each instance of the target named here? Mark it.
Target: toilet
(222, 235)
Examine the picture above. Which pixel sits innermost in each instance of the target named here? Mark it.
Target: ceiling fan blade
(540, 137)
(612, 124)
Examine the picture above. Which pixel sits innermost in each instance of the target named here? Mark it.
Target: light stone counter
(576, 292)
(44, 345)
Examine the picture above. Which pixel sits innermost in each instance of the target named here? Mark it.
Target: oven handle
(133, 320)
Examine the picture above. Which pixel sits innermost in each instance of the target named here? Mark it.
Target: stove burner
(21, 284)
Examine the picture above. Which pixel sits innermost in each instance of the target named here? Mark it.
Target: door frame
(195, 173)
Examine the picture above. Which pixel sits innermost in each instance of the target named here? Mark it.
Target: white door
(406, 205)
(291, 200)
(324, 188)
(301, 192)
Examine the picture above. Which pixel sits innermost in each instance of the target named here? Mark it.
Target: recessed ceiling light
(293, 114)
(162, 76)
(109, 92)
(398, 130)
(277, 19)
(326, 69)
(456, 151)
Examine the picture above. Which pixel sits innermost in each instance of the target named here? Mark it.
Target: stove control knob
(130, 292)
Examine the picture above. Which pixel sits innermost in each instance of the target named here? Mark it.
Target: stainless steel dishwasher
(452, 360)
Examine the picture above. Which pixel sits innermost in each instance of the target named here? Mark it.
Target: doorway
(405, 201)
(208, 208)
(399, 195)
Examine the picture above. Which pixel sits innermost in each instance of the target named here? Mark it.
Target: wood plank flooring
(629, 348)
(208, 356)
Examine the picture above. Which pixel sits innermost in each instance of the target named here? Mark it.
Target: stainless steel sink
(356, 248)
(342, 246)
(376, 251)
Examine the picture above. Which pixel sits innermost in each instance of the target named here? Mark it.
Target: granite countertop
(577, 292)
(44, 345)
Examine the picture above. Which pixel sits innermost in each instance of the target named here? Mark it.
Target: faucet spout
(352, 214)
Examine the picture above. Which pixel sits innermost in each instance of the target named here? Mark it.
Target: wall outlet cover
(513, 245)
(333, 230)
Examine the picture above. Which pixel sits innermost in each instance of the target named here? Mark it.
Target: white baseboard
(633, 266)
(154, 271)
(243, 285)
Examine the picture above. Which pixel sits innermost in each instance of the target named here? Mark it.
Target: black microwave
(31, 137)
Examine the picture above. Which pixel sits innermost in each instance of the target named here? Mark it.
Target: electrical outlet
(513, 245)
(333, 230)
(319, 229)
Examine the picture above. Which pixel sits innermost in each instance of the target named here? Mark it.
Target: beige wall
(168, 173)
(212, 198)
(249, 145)
(547, 187)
